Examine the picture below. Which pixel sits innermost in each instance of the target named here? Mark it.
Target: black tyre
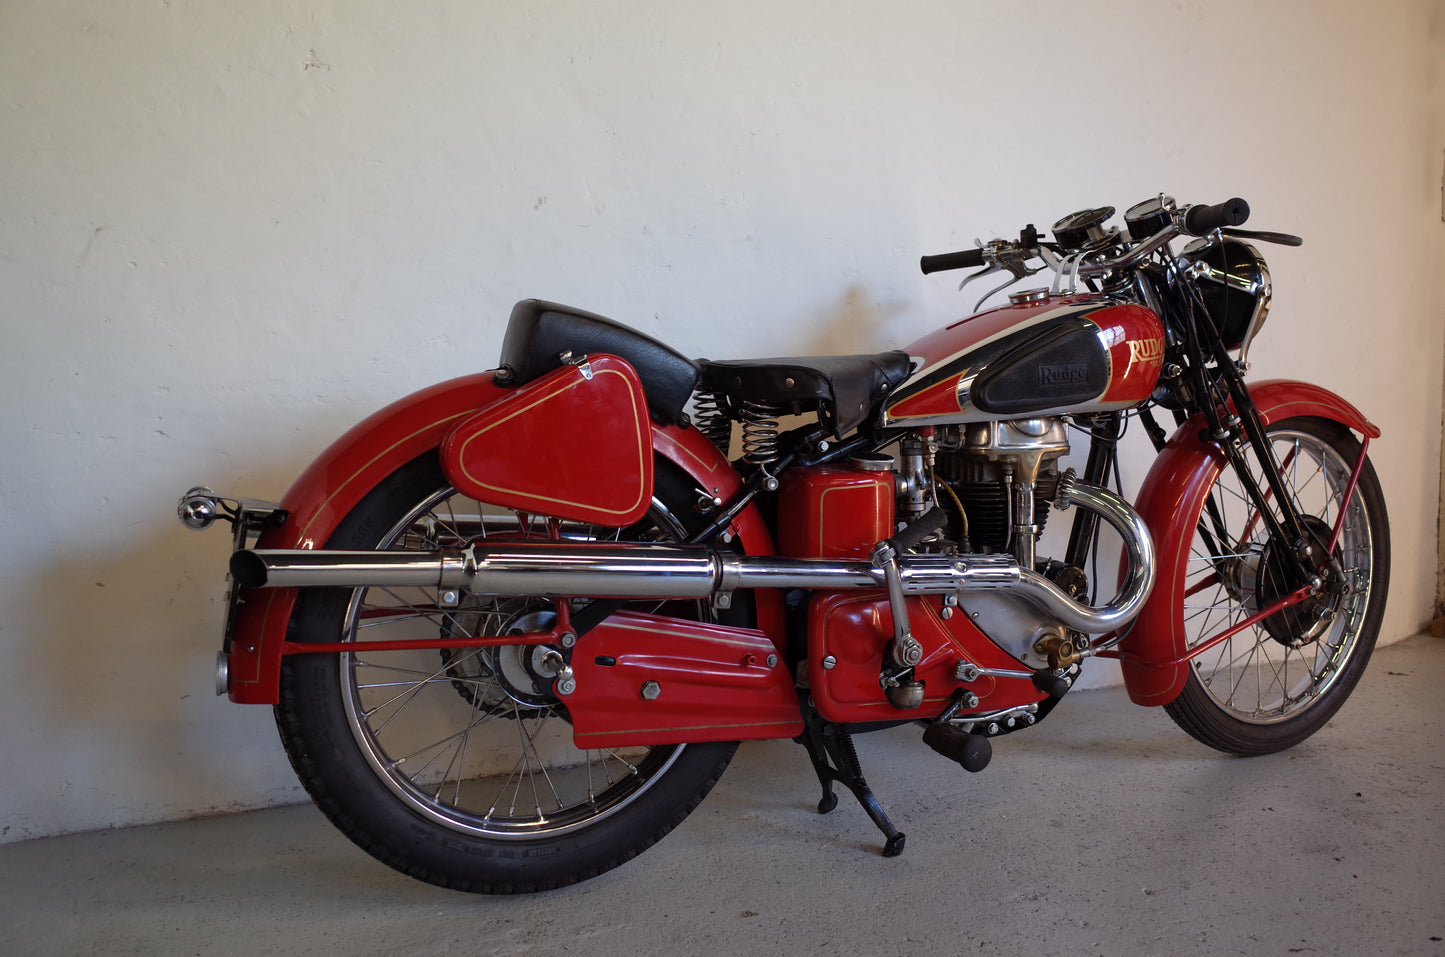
(458, 767)
(1277, 682)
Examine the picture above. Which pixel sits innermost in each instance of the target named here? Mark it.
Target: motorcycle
(514, 626)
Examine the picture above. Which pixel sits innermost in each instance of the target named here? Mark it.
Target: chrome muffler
(646, 570)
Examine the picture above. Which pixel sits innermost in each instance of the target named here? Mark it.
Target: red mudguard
(343, 475)
(1171, 501)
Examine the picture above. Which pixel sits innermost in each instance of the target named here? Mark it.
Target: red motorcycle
(514, 625)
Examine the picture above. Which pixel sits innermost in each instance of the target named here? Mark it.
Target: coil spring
(710, 416)
(760, 431)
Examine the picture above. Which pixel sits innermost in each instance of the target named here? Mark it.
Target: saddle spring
(710, 417)
(760, 431)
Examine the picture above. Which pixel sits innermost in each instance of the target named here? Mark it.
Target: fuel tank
(1039, 355)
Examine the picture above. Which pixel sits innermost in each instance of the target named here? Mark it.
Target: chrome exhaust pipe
(1138, 580)
(645, 570)
(548, 570)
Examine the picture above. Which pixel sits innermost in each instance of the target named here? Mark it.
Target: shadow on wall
(855, 323)
(126, 688)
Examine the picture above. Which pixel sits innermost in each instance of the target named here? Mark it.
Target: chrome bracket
(580, 362)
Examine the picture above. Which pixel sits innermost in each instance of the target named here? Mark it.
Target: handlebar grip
(958, 260)
(932, 520)
(1203, 220)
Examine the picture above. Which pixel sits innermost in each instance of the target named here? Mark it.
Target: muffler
(549, 570)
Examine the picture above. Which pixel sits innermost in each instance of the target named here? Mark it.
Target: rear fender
(1171, 502)
(358, 461)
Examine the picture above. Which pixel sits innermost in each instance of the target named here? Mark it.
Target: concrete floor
(1103, 831)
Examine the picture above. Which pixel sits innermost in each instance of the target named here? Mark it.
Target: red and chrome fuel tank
(1039, 355)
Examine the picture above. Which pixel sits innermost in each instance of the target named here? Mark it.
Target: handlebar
(963, 259)
(1203, 220)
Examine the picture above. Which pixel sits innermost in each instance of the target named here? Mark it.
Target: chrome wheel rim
(473, 739)
(1258, 676)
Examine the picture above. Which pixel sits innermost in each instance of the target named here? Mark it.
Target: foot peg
(972, 751)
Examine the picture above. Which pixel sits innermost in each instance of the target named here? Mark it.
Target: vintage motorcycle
(514, 625)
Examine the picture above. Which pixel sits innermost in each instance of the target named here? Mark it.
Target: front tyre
(1280, 680)
(457, 767)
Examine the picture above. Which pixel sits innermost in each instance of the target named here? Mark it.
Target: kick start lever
(904, 651)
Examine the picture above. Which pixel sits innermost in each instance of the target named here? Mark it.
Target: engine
(994, 479)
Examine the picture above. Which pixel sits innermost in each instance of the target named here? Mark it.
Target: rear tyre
(1280, 680)
(457, 767)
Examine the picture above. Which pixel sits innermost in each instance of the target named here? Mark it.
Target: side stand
(836, 759)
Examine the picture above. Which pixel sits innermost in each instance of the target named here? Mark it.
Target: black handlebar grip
(958, 260)
(1203, 220)
(930, 522)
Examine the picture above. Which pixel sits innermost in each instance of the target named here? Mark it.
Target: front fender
(370, 451)
(1171, 502)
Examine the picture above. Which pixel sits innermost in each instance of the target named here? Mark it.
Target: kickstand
(836, 759)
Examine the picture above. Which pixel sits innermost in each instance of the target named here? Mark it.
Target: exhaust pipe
(549, 570)
(644, 570)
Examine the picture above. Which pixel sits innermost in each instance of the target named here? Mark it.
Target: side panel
(355, 463)
(601, 474)
(645, 679)
(1171, 501)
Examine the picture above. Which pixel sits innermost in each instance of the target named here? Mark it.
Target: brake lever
(992, 267)
(1281, 239)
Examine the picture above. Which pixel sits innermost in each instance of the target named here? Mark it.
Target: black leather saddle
(540, 332)
(843, 389)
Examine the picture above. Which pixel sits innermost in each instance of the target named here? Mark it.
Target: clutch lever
(1002, 256)
(1282, 239)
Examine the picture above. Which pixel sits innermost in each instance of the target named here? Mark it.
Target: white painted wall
(228, 231)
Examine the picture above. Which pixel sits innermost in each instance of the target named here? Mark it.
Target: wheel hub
(525, 672)
(1277, 576)
(499, 679)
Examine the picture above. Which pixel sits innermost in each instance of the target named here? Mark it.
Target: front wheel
(1276, 682)
(457, 767)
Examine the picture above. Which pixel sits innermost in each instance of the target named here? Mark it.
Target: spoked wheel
(1278, 681)
(458, 767)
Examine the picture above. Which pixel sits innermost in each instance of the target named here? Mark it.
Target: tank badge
(1146, 353)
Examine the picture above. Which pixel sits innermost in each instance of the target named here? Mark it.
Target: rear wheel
(1278, 681)
(457, 767)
